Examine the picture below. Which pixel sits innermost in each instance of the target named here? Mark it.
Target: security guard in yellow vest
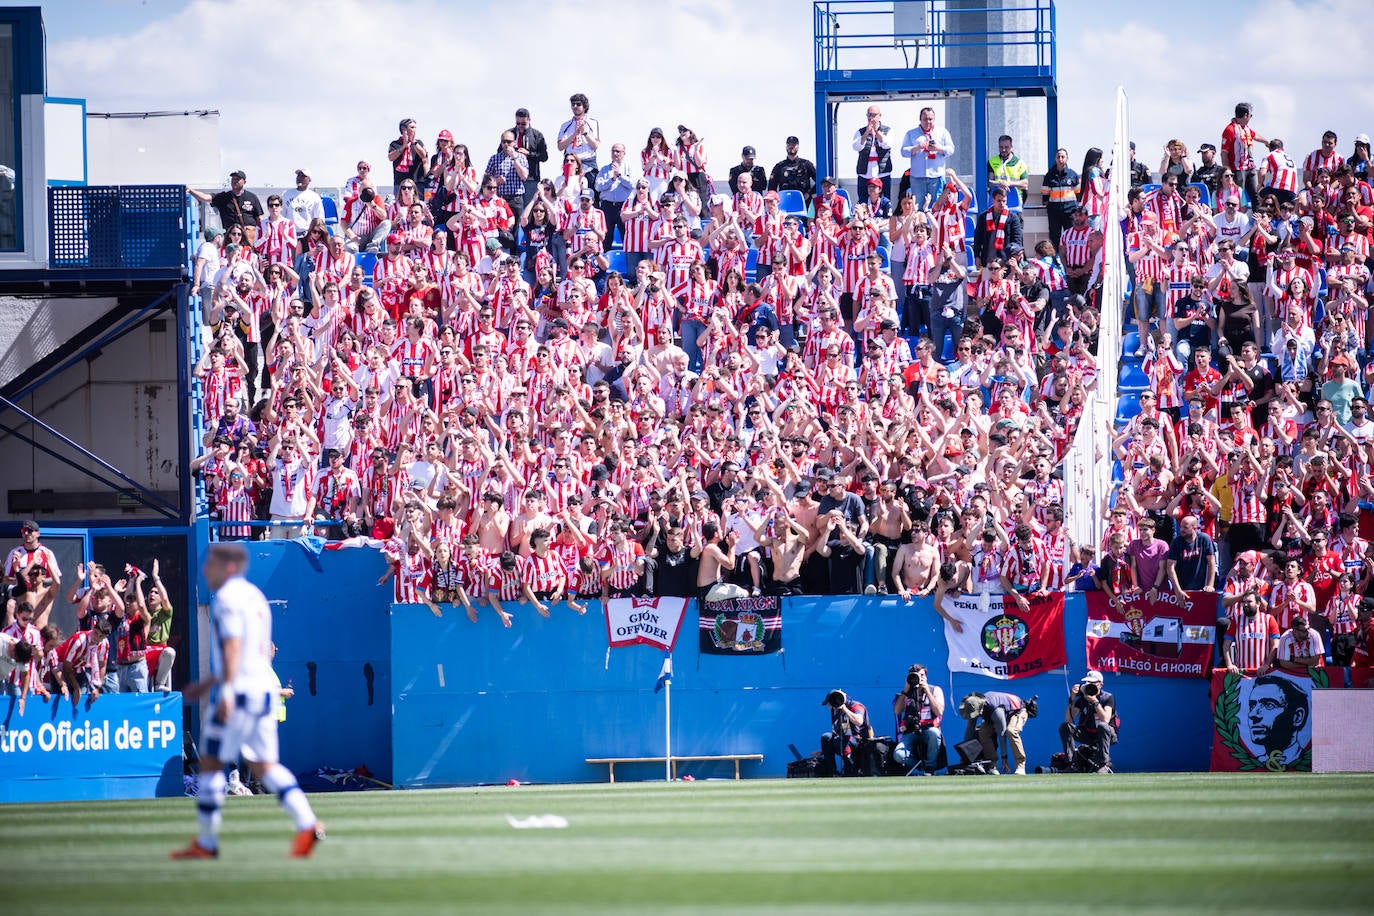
(1006, 169)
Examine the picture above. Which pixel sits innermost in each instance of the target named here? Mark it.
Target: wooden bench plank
(610, 762)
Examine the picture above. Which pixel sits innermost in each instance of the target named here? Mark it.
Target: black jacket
(984, 241)
(537, 147)
(759, 177)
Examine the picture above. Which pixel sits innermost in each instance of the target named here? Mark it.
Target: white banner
(644, 621)
(1087, 467)
(995, 639)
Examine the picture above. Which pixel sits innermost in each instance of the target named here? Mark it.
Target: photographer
(919, 709)
(1090, 720)
(991, 717)
(849, 726)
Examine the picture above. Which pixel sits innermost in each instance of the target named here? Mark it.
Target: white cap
(1362, 138)
(304, 171)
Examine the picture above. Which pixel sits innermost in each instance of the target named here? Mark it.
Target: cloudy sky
(324, 82)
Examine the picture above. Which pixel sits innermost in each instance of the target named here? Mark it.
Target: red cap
(446, 135)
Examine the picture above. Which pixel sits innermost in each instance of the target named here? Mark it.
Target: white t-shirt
(239, 611)
(1231, 229)
(302, 207)
(7, 662)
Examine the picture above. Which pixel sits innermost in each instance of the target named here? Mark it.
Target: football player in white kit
(240, 710)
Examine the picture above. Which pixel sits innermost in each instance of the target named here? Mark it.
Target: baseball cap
(793, 139)
(1207, 146)
(445, 134)
(829, 180)
(887, 324)
(493, 244)
(771, 195)
(747, 151)
(699, 494)
(238, 173)
(1362, 138)
(588, 194)
(395, 238)
(921, 483)
(1340, 361)
(1092, 677)
(875, 182)
(29, 525)
(304, 171)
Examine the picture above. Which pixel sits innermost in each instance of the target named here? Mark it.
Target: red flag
(1162, 638)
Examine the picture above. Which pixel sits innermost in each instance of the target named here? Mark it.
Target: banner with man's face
(1264, 723)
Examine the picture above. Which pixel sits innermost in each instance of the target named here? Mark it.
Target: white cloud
(1184, 79)
(323, 82)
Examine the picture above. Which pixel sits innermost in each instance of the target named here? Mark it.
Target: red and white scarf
(1001, 226)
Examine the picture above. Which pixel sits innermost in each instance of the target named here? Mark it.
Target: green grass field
(1060, 844)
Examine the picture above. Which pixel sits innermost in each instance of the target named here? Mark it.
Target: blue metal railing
(850, 33)
(126, 227)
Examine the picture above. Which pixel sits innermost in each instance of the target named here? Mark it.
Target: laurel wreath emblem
(1226, 720)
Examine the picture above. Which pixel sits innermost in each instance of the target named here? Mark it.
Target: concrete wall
(122, 404)
(30, 329)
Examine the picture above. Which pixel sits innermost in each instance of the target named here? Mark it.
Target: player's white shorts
(251, 730)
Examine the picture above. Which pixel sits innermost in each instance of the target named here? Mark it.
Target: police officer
(794, 173)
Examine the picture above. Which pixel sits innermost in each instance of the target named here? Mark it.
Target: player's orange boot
(304, 843)
(194, 851)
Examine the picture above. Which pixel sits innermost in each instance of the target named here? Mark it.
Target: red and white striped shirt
(678, 258)
(1024, 567)
(413, 578)
(1057, 550)
(1165, 373)
(1284, 600)
(949, 226)
(1074, 246)
(235, 504)
(636, 229)
(33, 637)
(276, 241)
(84, 653)
(1282, 173)
(1248, 502)
(1320, 160)
(390, 278)
(543, 574)
(336, 270)
(853, 254)
(1252, 637)
(618, 566)
(920, 264)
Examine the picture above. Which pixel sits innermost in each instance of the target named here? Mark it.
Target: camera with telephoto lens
(366, 195)
(1092, 689)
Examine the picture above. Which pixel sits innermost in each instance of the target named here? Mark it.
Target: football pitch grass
(970, 845)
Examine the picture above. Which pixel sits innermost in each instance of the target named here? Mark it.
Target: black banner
(741, 626)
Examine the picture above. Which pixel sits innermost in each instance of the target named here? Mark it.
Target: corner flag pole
(665, 683)
(668, 721)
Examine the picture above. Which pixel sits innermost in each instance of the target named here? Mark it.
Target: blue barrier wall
(121, 746)
(476, 703)
(329, 621)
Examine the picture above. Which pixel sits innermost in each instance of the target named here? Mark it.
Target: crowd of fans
(619, 380)
(119, 644)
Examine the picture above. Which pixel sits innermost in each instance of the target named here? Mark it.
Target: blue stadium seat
(1127, 406)
(616, 260)
(616, 240)
(368, 262)
(1204, 192)
(1014, 199)
(1130, 342)
(947, 351)
(970, 227)
(751, 264)
(1118, 472)
(1150, 187)
(1321, 282)
(883, 253)
(843, 193)
(1133, 379)
(331, 211)
(793, 202)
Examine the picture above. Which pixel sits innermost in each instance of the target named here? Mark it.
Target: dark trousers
(1059, 221)
(611, 210)
(846, 565)
(846, 749)
(1097, 742)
